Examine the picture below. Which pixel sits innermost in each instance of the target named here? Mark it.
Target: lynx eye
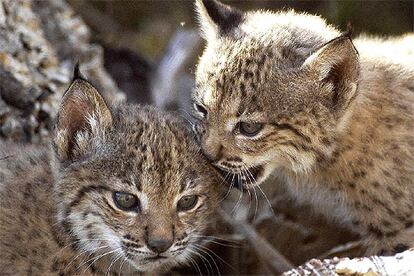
(187, 203)
(249, 129)
(126, 201)
(201, 109)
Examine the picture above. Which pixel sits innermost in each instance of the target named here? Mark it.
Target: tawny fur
(57, 214)
(338, 115)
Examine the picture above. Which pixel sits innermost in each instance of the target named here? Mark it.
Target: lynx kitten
(125, 190)
(287, 94)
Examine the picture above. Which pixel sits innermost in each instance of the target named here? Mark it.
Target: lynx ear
(83, 114)
(336, 64)
(216, 18)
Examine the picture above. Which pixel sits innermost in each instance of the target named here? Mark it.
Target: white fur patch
(144, 201)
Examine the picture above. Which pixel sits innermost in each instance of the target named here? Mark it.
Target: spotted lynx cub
(287, 94)
(124, 190)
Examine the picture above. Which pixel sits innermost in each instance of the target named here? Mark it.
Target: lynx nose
(211, 148)
(159, 246)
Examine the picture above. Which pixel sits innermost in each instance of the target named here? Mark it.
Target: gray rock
(40, 41)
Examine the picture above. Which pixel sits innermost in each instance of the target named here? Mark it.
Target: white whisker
(239, 198)
(95, 259)
(228, 190)
(253, 180)
(81, 253)
(267, 200)
(117, 257)
(195, 246)
(203, 259)
(120, 266)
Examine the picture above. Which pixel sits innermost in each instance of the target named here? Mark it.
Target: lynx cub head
(132, 185)
(273, 90)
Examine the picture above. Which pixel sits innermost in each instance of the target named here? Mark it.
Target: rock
(40, 41)
(397, 265)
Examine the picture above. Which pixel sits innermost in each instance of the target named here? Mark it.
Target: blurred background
(147, 26)
(151, 49)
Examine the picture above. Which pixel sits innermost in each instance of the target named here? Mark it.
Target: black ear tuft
(349, 30)
(77, 74)
(349, 33)
(225, 17)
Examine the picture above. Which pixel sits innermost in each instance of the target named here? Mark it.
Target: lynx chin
(284, 93)
(124, 190)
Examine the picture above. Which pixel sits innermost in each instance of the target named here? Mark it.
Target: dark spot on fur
(377, 201)
(242, 89)
(56, 237)
(27, 192)
(395, 147)
(32, 161)
(357, 205)
(261, 61)
(18, 167)
(395, 194)
(390, 211)
(397, 161)
(400, 248)
(248, 75)
(366, 208)
(375, 184)
(386, 223)
(401, 218)
(25, 208)
(55, 265)
(386, 173)
(376, 231)
(326, 141)
(359, 174)
(270, 54)
(67, 226)
(93, 268)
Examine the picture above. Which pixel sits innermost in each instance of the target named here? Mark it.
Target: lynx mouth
(154, 258)
(241, 180)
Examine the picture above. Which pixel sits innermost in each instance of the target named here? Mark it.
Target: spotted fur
(337, 116)
(57, 213)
